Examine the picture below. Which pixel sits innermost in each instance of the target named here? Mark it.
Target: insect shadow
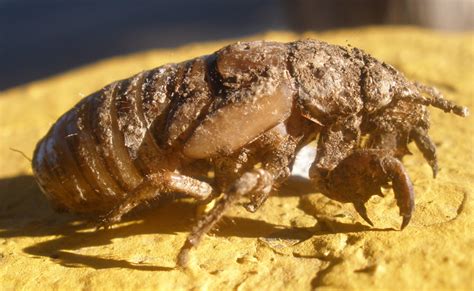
(25, 212)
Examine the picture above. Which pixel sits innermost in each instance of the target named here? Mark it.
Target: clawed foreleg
(360, 175)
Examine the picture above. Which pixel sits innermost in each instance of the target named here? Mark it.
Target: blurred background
(39, 38)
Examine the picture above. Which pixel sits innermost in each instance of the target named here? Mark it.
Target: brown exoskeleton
(250, 103)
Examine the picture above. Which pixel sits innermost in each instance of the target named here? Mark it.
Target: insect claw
(250, 207)
(405, 221)
(183, 257)
(105, 222)
(367, 219)
(403, 189)
(360, 208)
(427, 148)
(102, 224)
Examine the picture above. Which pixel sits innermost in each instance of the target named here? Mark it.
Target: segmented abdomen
(101, 149)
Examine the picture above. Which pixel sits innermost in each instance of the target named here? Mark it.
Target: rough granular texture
(298, 240)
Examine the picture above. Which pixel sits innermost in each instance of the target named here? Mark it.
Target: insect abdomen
(102, 148)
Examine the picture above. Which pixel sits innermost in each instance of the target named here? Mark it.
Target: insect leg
(427, 148)
(437, 100)
(278, 162)
(255, 180)
(360, 208)
(335, 143)
(229, 168)
(151, 187)
(276, 153)
(360, 175)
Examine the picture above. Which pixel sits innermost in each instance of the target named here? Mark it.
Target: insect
(161, 131)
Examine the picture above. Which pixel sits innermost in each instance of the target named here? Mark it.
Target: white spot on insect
(303, 161)
(160, 95)
(79, 190)
(71, 135)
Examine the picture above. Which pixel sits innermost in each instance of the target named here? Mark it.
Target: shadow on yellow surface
(71, 235)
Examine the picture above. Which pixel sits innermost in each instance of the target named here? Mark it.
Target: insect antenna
(437, 100)
(21, 153)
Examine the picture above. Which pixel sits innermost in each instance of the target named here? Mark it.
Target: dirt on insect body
(254, 103)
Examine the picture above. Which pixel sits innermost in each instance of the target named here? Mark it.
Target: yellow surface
(281, 246)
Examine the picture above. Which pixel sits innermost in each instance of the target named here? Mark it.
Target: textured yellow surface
(298, 240)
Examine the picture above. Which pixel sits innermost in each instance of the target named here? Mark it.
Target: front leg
(359, 176)
(336, 142)
(346, 173)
